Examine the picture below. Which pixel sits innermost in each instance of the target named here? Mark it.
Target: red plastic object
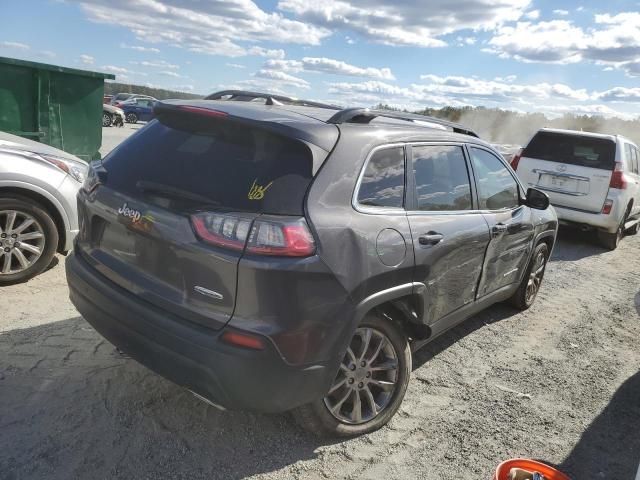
(550, 473)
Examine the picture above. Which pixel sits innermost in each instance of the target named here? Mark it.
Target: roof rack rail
(365, 115)
(247, 96)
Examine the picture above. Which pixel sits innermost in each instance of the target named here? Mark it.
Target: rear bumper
(600, 221)
(190, 355)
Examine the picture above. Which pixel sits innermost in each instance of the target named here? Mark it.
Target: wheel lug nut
(352, 367)
(368, 374)
(360, 385)
(15, 235)
(350, 380)
(363, 364)
(7, 249)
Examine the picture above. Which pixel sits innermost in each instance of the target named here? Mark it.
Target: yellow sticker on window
(256, 192)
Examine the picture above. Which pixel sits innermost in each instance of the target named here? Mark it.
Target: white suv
(592, 180)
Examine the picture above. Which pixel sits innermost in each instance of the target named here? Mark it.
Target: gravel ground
(559, 383)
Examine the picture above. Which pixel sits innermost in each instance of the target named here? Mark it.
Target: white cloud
(236, 65)
(337, 67)
(557, 41)
(533, 14)
(406, 22)
(620, 94)
(156, 64)
(265, 52)
(497, 91)
(168, 73)
(220, 27)
(140, 48)
(562, 13)
(614, 40)
(15, 45)
(87, 59)
(282, 78)
(328, 66)
(114, 69)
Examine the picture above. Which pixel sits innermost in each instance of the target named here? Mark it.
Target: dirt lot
(560, 383)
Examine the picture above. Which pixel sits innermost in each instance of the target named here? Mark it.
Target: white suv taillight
(287, 237)
(618, 179)
(607, 207)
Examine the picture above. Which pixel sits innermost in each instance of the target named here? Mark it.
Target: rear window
(572, 149)
(215, 163)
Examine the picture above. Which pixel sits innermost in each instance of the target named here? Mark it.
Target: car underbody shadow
(495, 313)
(73, 407)
(574, 244)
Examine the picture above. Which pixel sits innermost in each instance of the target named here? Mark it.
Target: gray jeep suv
(273, 257)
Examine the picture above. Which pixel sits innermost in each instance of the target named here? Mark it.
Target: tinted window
(245, 169)
(636, 159)
(442, 180)
(572, 149)
(383, 181)
(497, 188)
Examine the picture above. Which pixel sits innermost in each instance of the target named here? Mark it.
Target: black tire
(316, 417)
(48, 229)
(610, 241)
(633, 230)
(107, 120)
(524, 297)
(131, 118)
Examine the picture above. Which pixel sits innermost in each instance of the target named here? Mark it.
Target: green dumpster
(59, 106)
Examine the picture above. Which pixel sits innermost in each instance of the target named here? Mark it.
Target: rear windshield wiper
(173, 192)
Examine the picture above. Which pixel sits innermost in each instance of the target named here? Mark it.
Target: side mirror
(537, 199)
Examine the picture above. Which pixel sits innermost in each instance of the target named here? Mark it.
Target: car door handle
(498, 229)
(430, 238)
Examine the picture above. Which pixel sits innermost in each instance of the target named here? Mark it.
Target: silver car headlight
(77, 170)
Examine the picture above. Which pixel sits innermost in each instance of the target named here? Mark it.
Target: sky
(546, 56)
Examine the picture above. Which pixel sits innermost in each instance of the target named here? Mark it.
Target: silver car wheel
(535, 277)
(367, 378)
(21, 241)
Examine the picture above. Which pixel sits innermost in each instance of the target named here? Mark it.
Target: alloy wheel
(366, 380)
(535, 277)
(21, 241)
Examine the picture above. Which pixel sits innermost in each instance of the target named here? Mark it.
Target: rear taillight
(516, 160)
(227, 231)
(607, 207)
(618, 179)
(272, 236)
(290, 238)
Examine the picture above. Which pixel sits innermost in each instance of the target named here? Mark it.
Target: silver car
(38, 215)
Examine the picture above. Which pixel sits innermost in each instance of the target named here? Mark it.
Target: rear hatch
(574, 170)
(167, 213)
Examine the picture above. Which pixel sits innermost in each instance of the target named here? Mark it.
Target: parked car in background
(593, 180)
(276, 257)
(138, 109)
(38, 214)
(112, 115)
(123, 97)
